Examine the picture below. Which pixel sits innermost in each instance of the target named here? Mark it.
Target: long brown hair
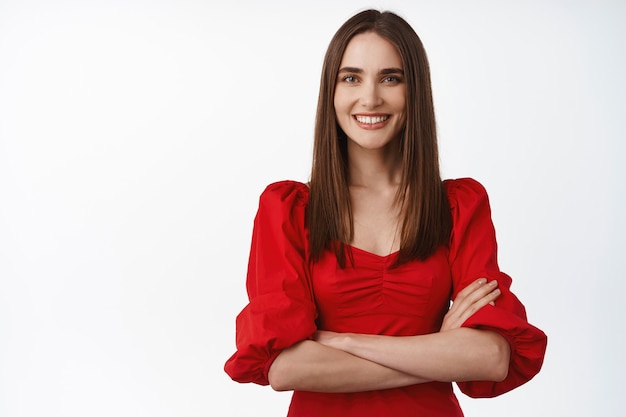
(424, 209)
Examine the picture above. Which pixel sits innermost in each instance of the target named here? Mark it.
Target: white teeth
(371, 120)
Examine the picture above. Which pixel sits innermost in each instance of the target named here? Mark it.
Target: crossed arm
(349, 362)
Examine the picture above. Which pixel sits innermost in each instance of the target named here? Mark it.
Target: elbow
(284, 370)
(500, 374)
(278, 387)
(278, 384)
(277, 376)
(501, 360)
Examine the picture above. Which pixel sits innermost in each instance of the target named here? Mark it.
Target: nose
(371, 97)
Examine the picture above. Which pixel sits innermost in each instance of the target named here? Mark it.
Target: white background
(136, 136)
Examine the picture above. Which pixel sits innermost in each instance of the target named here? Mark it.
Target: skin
(370, 84)
(456, 354)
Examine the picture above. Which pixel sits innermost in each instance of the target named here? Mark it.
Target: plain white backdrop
(136, 136)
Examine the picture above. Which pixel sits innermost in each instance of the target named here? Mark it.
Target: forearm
(456, 355)
(310, 366)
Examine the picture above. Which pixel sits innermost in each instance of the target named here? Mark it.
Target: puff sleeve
(473, 254)
(281, 310)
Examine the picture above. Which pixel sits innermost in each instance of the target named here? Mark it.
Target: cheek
(401, 102)
(339, 103)
(337, 109)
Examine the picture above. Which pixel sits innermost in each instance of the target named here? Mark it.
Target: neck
(374, 168)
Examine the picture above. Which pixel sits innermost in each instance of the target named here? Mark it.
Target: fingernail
(493, 283)
(482, 281)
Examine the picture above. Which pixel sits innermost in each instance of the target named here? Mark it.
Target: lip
(372, 123)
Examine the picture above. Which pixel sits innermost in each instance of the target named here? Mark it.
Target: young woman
(351, 276)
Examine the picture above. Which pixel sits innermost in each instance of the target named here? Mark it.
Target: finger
(472, 287)
(468, 309)
(468, 301)
(473, 293)
(467, 304)
(479, 299)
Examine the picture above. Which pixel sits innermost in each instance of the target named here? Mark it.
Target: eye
(392, 79)
(350, 79)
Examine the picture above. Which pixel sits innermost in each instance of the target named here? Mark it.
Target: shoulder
(464, 191)
(285, 193)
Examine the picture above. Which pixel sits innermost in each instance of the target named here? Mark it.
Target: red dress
(289, 300)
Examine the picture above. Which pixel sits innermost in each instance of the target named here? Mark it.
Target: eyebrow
(384, 71)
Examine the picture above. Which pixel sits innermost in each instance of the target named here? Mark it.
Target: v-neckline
(372, 254)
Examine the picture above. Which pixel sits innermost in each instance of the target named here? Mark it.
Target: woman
(350, 277)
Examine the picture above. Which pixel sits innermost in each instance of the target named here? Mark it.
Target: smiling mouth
(370, 120)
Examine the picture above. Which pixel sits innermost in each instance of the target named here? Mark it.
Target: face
(370, 96)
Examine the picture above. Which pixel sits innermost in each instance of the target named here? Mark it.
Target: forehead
(371, 51)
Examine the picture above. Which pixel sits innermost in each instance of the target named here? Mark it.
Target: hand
(471, 299)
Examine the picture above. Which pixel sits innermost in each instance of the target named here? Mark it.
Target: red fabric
(289, 300)
(281, 311)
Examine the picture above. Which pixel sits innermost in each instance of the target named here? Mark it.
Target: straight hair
(424, 209)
